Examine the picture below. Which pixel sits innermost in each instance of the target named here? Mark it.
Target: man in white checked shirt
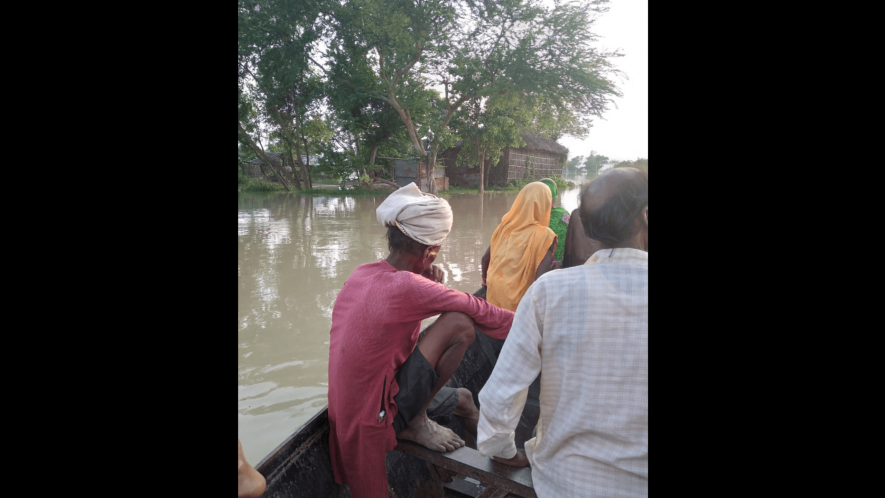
(586, 329)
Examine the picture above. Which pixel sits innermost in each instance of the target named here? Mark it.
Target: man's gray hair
(612, 222)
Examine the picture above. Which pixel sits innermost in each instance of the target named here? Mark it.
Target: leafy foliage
(595, 163)
(641, 163)
(574, 163)
(356, 83)
(248, 184)
(488, 127)
(561, 183)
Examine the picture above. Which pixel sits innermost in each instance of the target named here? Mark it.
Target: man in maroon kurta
(375, 326)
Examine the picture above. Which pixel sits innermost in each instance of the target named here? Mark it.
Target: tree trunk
(306, 166)
(294, 175)
(287, 133)
(431, 165)
(305, 173)
(407, 120)
(428, 172)
(264, 172)
(273, 166)
(389, 183)
(482, 165)
(307, 155)
(372, 153)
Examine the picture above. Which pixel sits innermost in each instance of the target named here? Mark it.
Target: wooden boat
(301, 466)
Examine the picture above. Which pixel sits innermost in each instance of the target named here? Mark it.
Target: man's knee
(465, 399)
(461, 325)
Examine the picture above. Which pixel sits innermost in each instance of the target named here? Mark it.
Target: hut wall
(408, 171)
(538, 164)
(459, 174)
(498, 173)
(253, 170)
(512, 165)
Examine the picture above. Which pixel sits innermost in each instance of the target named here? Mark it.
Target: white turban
(422, 217)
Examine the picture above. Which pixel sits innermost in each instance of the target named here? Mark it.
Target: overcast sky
(623, 133)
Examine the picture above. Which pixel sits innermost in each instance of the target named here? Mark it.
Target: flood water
(294, 254)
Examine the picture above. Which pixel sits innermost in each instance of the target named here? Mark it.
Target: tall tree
(572, 165)
(595, 163)
(370, 126)
(275, 39)
(488, 127)
(473, 50)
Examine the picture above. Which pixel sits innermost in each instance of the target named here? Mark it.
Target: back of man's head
(611, 204)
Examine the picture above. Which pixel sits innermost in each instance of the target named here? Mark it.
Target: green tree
(595, 163)
(376, 50)
(473, 50)
(368, 126)
(274, 40)
(572, 165)
(641, 163)
(315, 134)
(488, 127)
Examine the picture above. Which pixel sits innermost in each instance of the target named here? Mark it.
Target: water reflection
(293, 255)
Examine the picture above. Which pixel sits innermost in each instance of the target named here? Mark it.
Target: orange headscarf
(519, 245)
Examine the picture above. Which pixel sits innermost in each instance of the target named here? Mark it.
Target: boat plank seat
(500, 479)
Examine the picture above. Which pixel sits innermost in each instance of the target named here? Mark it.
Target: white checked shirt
(586, 330)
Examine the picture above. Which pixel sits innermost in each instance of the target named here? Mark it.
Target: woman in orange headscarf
(522, 247)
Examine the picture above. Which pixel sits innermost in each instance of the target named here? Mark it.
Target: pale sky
(623, 133)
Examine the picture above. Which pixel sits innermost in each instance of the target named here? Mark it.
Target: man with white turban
(381, 386)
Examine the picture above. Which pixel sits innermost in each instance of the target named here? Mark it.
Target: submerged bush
(255, 185)
(561, 183)
(519, 183)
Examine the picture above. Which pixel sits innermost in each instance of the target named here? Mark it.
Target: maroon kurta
(375, 325)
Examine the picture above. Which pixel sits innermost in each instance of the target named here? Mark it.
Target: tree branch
(411, 64)
(264, 157)
(348, 83)
(381, 65)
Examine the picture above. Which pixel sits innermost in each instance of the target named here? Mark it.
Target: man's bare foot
(431, 435)
(250, 483)
(518, 460)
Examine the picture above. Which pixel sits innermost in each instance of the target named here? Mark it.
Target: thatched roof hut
(540, 157)
(253, 167)
(536, 142)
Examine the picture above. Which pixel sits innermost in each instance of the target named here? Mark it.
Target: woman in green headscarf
(559, 219)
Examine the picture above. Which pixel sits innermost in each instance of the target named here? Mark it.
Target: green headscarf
(558, 221)
(550, 183)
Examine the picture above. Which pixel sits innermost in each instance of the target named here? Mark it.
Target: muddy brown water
(294, 254)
